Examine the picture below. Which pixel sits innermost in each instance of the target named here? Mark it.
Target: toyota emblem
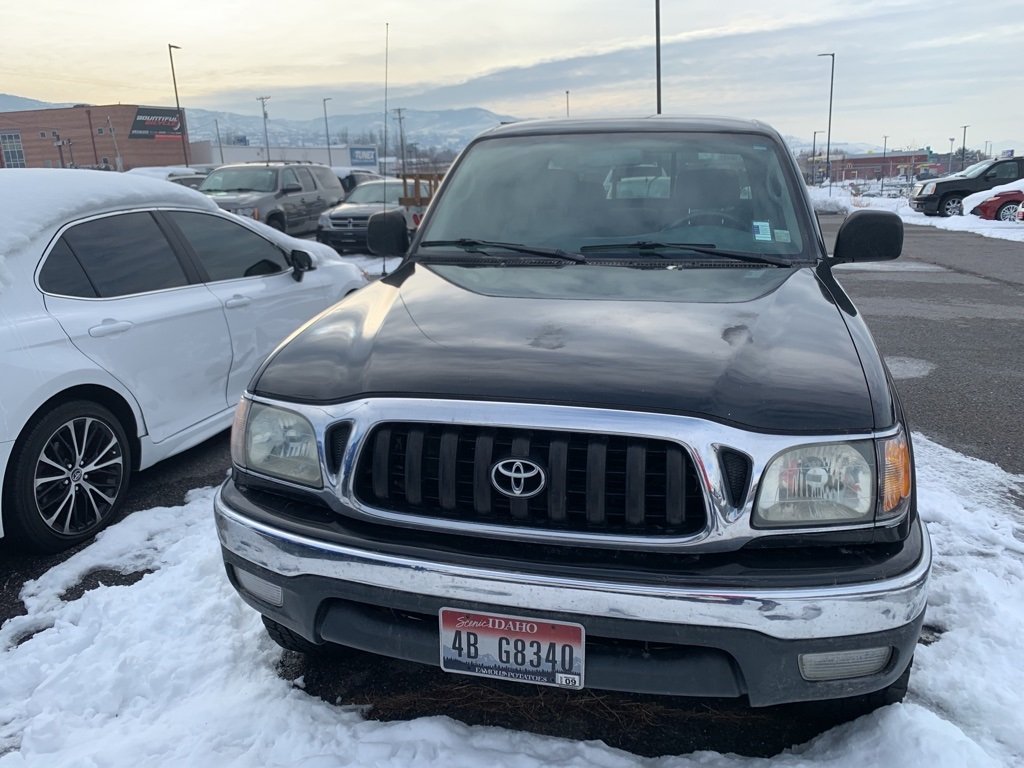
(517, 478)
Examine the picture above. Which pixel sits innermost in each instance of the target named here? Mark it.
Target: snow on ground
(175, 670)
(843, 201)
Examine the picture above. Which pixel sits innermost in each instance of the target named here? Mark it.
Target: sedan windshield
(615, 195)
(255, 179)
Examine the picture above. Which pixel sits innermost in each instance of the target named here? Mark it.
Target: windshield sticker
(782, 236)
(762, 230)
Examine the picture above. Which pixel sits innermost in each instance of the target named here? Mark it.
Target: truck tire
(290, 640)
(952, 205)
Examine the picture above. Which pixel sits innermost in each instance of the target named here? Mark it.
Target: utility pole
(266, 137)
(814, 156)
(828, 138)
(963, 149)
(401, 134)
(657, 48)
(59, 144)
(220, 144)
(177, 104)
(117, 152)
(327, 132)
(885, 142)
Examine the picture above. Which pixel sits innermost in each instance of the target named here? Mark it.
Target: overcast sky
(916, 70)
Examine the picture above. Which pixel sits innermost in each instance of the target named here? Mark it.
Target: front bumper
(655, 637)
(925, 204)
(342, 238)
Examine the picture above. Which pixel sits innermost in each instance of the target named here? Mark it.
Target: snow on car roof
(35, 199)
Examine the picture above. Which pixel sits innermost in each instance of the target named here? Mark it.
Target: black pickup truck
(945, 196)
(602, 428)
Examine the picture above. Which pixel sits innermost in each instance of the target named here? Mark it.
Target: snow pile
(175, 670)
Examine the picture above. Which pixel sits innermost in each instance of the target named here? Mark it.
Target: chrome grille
(595, 483)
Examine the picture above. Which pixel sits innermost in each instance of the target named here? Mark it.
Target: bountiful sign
(155, 123)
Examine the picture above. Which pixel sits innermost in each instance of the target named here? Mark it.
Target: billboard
(366, 156)
(155, 123)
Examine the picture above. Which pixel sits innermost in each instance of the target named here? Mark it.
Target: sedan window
(228, 251)
(62, 275)
(125, 254)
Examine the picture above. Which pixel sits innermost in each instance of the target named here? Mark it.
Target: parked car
(179, 174)
(1002, 204)
(641, 444)
(944, 197)
(344, 226)
(134, 314)
(351, 178)
(286, 196)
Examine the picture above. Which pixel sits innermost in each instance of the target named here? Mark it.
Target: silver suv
(287, 196)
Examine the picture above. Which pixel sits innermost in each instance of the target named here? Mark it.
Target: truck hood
(767, 349)
(236, 199)
(360, 209)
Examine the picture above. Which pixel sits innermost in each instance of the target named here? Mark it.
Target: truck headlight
(826, 484)
(324, 222)
(929, 188)
(249, 213)
(275, 442)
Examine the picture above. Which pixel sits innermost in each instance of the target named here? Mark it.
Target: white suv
(133, 312)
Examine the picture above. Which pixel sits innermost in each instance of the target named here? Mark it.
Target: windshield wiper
(479, 246)
(706, 249)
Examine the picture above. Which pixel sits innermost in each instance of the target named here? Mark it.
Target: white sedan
(133, 313)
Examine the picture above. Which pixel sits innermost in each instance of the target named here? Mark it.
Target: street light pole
(951, 140)
(885, 143)
(327, 131)
(963, 149)
(828, 139)
(266, 137)
(566, 103)
(657, 48)
(814, 157)
(177, 104)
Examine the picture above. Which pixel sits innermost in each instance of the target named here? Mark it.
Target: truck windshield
(731, 192)
(241, 180)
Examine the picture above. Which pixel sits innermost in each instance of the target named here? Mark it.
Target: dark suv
(945, 196)
(637, 442)
(287, 196)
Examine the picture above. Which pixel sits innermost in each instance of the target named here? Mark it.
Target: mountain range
(449, 129)
(442, 129)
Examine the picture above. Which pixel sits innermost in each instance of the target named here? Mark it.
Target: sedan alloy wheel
(72, 470)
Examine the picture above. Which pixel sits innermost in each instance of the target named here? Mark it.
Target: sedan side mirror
(869, 236)
(387, 234)
(302, 263)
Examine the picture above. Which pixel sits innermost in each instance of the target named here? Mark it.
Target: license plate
(519, 648)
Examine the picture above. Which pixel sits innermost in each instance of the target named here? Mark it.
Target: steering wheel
(712, 217)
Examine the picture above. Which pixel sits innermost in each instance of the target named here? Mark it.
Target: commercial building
(113, 136)
(870, 166)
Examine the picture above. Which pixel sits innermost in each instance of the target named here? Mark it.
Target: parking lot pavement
(948, 316)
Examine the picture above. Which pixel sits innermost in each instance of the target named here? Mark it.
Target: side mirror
(387, 234)
(293, 187)
(869, 236)
(302, 263)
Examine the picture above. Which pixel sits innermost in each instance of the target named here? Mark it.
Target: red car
(1003, 206)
